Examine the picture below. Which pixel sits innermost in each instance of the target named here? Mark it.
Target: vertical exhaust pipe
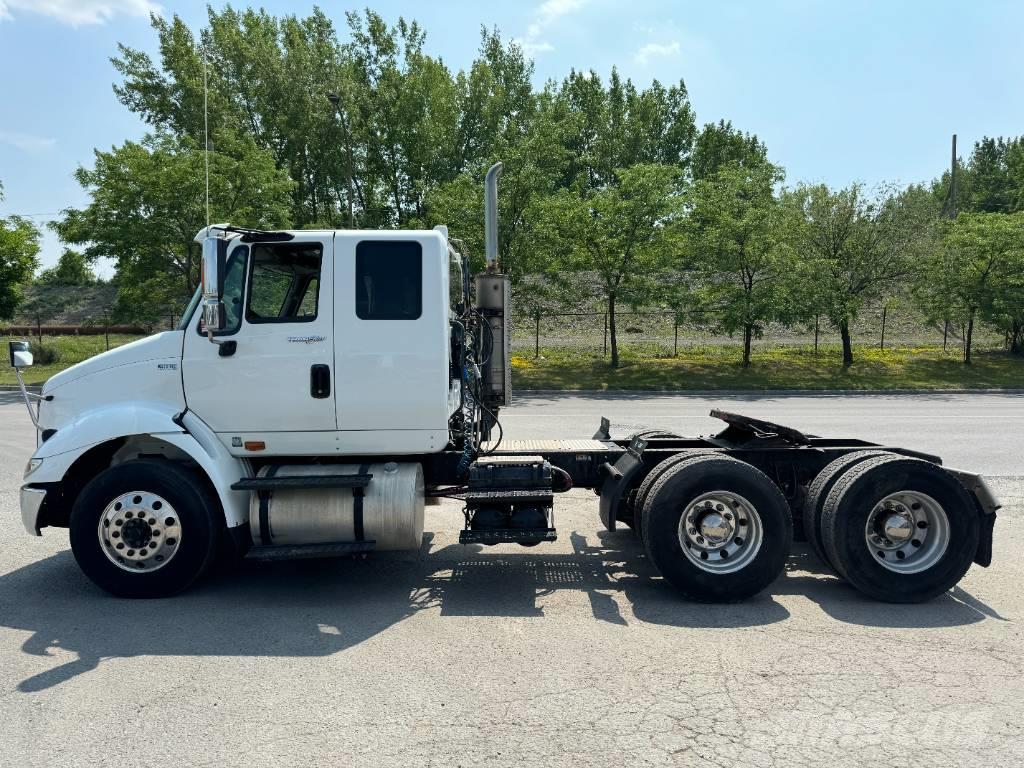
(494, 302)
(491, 216)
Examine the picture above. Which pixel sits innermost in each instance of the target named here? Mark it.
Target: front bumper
(31, 502)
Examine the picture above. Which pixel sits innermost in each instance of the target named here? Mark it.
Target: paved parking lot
(568, 654)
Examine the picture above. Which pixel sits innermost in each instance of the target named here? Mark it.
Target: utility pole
(950, 206)
(952, 182)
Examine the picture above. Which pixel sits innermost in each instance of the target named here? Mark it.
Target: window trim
(245, 278)
(359, 245)
(257, 320)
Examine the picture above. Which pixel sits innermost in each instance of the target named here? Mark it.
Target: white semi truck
(323, 385)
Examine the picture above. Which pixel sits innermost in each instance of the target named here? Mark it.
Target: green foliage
(625, 234)
(610, 193)
(71, 269)
(716, 368)
(991, 181)
(739, 252)
(19, 245)
(719, 145)
(978, 273)
(857, 247)
(148, 203)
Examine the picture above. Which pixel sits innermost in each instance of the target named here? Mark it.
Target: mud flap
(987, 505)
(983, 555)
(619, 479)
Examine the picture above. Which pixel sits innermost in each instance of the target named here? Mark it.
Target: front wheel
(717, 529)
(144, 529)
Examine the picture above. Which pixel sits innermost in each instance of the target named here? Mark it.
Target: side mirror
(21, 357)
(213, 307)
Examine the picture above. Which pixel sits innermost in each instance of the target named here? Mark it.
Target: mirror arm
(211, 339)
(26, 395)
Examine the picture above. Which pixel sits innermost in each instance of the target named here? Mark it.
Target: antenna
(206, 138)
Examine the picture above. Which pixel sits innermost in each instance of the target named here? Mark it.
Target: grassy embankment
(719, 367)
(705, 367)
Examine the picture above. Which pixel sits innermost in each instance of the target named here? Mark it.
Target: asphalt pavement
(570, 654)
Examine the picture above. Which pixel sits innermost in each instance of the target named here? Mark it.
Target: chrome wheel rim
(139, 532)
(720, 532)
(907, 532)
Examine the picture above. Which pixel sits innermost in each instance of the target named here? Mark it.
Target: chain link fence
(665, 334)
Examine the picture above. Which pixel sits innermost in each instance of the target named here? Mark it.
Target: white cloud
(26, 141)
(650, 51)
(77, 13)
(545, 15)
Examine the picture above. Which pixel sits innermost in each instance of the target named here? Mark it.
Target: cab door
(278, 374)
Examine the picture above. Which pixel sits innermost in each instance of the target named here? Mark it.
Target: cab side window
(284, 283)
(389, 280)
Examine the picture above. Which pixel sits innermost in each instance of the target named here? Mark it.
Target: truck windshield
(186, 316)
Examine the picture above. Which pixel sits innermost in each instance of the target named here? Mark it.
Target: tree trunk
(844, 334)
(1016, 332)
(748, 334)
(611, 329)
(969, 338)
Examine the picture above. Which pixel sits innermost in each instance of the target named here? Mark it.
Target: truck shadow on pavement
(318, 608)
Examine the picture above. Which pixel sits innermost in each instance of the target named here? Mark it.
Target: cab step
(310, 551)
(282, 482)
(507, 535)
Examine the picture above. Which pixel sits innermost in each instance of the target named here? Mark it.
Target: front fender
(107, 422)
(184, 431)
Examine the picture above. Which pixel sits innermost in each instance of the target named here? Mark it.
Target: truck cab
(332, 343)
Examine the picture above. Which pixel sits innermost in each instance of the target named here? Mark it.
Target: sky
(839, 91)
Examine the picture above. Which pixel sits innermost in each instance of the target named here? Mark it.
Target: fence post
(536, 335)
(816, 319)
(881, 344)
(606, 333)
(675, 336)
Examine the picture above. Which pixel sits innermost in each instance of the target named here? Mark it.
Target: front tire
(145, 529)
(717, 529)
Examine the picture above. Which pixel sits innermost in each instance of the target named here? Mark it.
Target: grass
(702, 367)
(67, 350)
(719, 367)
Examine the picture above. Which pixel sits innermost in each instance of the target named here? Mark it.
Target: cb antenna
(206, 138)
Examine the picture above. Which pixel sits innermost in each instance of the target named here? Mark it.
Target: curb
(767, 392)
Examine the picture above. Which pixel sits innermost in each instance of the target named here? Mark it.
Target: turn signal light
(255, 445)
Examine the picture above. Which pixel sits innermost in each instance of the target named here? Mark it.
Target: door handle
(320, 381)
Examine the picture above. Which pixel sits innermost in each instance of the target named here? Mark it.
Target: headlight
(32, 466)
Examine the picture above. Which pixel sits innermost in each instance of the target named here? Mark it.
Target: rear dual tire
(900, 530)
(717, 529)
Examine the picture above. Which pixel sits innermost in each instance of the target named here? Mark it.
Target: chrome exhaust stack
(494, 300)
(491, 216)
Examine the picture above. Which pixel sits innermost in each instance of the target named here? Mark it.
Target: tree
(71, 269)
(719, 144)
(977, 272)
(739, 252)
(148, 203)
(404, 124)
(857, 247)
(19, 245)
(624, 234)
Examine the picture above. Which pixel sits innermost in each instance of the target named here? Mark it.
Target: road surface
(571, 654)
